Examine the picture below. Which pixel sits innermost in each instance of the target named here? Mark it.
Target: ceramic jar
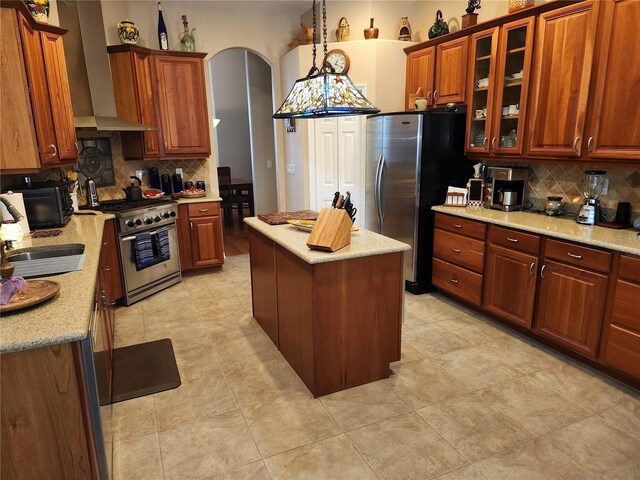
(553, 206)
(128, 32)
(39, 9)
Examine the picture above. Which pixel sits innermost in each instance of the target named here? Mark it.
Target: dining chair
(224, 186)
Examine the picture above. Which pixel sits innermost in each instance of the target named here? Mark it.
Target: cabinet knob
(576, 142)
(589, 142)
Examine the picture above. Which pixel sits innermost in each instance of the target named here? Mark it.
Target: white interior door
(326, 160)
(351, 140)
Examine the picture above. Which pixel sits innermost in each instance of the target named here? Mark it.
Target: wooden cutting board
(37, 291)
(281, 218)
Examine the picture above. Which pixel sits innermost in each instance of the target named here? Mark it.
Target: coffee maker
(506, 188)
(593, 185)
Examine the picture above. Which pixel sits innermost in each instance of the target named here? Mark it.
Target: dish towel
(143, 250)
(162, 243)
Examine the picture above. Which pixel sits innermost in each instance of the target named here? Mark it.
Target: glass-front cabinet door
(482, 80)
(512, 87)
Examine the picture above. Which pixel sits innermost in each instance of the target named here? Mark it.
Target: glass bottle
(163, 40)
(187, 40)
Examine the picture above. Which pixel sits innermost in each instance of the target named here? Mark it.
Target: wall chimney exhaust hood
(85, 48)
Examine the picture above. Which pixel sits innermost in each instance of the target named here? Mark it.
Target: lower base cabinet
(200, 235)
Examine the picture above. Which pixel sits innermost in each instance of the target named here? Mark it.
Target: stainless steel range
(148, 245)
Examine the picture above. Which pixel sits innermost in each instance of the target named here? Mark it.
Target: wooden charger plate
(37, 291)
(193, 195)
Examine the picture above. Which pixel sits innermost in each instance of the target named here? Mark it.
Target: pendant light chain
(314, 68)
(324, 26)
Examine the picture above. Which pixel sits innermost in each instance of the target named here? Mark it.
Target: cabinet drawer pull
(493, 142)
(531, 267)
(191, 226)
(575, 145)
(542, 270)
(203, 210)
(53, 149)
(484, 142)
(573, 255)
(435, 95)
(77, 149)
(166, 145)
(107, 268)
(428, 97)
(457, 225)
(456, 250)
(514, 240)
(453, 280)
(148, 146)
(589, 142)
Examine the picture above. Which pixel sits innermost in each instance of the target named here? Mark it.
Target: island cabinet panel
(43, 415)
(263, 283)
(562, 68)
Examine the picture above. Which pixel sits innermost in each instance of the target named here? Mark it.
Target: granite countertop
(566, 228)
(364, 243)
(209, 197)
(64, 318)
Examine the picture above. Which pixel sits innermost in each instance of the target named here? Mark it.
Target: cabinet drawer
(457, 281)
(462, 226)
(625, 305)
(525, 242)
(578, 255)
(464, 251)
(203, 209)
(629, 268)
(623, 351)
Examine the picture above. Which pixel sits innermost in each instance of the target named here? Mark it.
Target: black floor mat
(143, 369)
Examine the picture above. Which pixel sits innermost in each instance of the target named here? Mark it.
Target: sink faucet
(13, 211)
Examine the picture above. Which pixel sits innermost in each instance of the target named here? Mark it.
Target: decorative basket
(515, 5)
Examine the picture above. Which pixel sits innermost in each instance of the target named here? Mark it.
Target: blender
(590, 211)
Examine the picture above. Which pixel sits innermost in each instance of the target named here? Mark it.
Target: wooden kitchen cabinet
(451, 72)
(263, 283)
(163, 89)
(511, 274)
(110, 271)
(200, 235)
(420, 74)
(37, 116)
(572, 294)
(565, 43)
(613, 131)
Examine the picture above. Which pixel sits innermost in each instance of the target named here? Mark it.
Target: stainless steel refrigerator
(411, 159)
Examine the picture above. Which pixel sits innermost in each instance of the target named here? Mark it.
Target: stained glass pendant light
(324, 93)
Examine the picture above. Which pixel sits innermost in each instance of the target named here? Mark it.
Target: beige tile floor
(468, 400)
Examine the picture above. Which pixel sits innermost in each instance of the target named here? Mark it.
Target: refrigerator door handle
(378, 188)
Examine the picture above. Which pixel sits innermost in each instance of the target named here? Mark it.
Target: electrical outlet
(291, 169)
(269, 164)
(179, 171)
(605, 187)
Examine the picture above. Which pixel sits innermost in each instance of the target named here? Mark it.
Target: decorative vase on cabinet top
(187, 40)
(371, 32)
(342, 32)
(440, 27)
(128, 32)
(39, 9)
(405, 30)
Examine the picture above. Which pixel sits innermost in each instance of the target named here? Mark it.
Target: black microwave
(47, 204)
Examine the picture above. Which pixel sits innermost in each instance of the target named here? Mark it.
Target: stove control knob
(157, 219)
(138, 222)
(130, 223)
(172, 213)
(165, 215)
(148, 221)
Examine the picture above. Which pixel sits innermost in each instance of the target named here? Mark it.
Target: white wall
(228, 80)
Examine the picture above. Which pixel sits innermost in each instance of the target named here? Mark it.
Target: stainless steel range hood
(85, 49)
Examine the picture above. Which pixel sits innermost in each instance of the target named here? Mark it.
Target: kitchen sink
(53, 251)
(37, 262)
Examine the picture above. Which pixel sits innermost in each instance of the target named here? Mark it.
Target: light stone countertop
(566, 228)
(65, 317)
(209, 197)
(364, 243)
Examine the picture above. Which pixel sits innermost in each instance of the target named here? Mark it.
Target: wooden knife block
(332, 230)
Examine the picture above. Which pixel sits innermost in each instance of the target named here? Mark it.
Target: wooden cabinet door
(110, 262)
(18, 144)
(206, 244)
(510, 284)
(182, 103)
(563, 63)
(614, 128)
(571, 306)
(516, 52)
(482, 68)
(263, 283)
(146, 102)
(59, 96)
(420, 73)
(451, 72)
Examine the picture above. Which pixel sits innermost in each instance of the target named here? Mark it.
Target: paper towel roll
(17, 201)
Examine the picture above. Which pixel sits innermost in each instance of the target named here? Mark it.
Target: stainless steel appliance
(47, 204)
(593, 186)
(135, 219)
(92, 192)
(411, 160)
(506, 188)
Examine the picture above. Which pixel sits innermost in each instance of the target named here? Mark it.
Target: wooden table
(244, 185)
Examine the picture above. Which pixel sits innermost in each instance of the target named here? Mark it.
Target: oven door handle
(133, 237)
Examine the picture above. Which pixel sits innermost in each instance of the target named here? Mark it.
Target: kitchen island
(336, 317)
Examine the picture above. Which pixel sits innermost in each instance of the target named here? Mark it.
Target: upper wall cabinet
(565, 46)
(613, 130)
(38, 130)
(165, 90)
(420, 74)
